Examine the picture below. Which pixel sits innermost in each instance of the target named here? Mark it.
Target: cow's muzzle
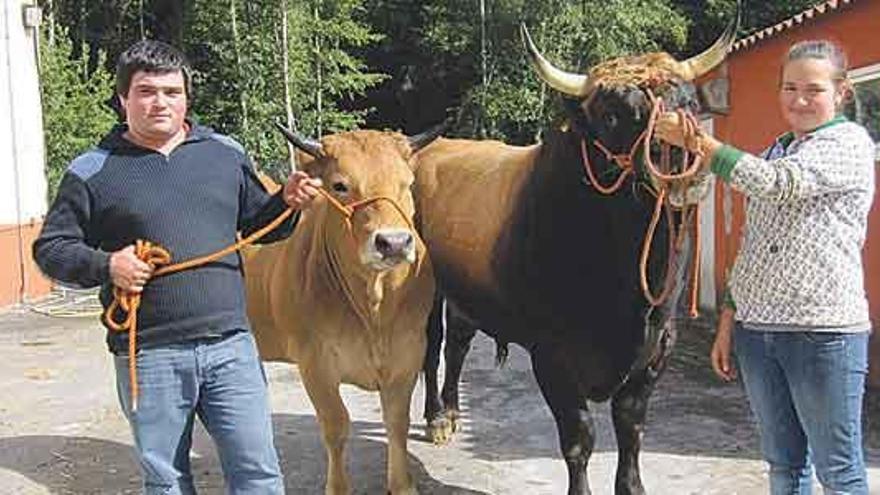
(390, 247)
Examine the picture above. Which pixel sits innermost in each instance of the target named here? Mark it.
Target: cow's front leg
(395, 399)
(573, 420)
(323, 390)
(435, 423)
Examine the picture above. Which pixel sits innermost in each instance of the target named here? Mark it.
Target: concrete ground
(61, 431)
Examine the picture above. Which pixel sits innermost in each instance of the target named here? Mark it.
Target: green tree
(74, 114)
(237, 47)
(474, 57)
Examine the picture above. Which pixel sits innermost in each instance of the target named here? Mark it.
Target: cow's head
(371, 173)
(611, 103)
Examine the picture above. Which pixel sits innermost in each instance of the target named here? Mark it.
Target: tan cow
(348, 302)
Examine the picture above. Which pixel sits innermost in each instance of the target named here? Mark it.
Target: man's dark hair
(151, 56)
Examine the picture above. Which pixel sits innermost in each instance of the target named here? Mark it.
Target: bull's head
(614, 99)
(369, 174)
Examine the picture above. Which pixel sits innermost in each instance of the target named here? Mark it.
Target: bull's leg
(433, 407)
(459, 334)
(629, 406)
(395, 399)
(573, 421)
(334, 421)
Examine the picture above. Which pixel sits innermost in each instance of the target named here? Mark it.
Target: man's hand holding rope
(301, 190)
(128, 272)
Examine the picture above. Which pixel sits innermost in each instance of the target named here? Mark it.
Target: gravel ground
(61, 431)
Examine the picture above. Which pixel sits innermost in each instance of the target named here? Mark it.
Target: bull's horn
(310, 146)
(565, 82)
(425, 138)
(698, 65)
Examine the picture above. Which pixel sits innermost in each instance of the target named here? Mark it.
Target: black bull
(565, 282)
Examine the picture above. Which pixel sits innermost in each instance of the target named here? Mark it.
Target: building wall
(754, 120)
(22, 177)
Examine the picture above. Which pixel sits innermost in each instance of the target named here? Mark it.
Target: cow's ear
(402, 144)
(315, 167)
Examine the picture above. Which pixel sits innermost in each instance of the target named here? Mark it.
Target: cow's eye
(340, 187)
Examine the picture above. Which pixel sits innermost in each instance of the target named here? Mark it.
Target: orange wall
(754, 120)
(35, 285)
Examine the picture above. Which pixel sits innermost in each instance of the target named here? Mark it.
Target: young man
(162, 178)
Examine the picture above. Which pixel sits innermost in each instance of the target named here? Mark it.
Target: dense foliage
(327, 65)
(74, 115)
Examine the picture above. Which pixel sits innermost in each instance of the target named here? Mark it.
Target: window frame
(865, 74)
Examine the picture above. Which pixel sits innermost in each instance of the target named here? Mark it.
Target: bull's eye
(340, 187)
(611, 120)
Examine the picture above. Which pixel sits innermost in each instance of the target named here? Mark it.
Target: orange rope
(159, 258)
(348, 211)
(664, 177)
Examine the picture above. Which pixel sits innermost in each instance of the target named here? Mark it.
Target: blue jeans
(222, 381)
(806, 390)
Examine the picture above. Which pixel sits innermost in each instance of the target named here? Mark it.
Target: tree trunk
(318, 82)
(285, 67)
(481, 126)
(50, 19)
(242, 95)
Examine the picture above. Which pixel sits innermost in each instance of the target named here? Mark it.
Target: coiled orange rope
(127, 303)
(663, 176)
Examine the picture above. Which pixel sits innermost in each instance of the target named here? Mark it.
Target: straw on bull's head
(613, 101)
(637, 70)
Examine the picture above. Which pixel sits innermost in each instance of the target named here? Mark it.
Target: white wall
(22, 177)
(707, 239)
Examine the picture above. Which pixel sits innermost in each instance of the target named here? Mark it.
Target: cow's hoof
(440, 430)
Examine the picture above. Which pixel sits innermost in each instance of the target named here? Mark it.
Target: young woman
(797, 314)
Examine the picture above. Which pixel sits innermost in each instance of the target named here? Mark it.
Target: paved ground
(61, 432)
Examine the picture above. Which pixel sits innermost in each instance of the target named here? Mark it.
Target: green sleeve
(727, 299)
(724, 160)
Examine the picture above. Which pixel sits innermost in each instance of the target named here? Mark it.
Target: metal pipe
(22, 292)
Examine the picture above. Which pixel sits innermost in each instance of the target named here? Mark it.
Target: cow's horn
(425, 138)
(310, 146)
(698, 65)
(565, 82)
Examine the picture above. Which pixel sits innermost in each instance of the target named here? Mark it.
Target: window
(865, 107)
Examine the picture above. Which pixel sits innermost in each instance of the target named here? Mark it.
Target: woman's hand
(720, 355)
(669, 127)
(677, 131)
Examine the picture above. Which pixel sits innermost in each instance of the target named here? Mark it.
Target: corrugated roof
(794, 21)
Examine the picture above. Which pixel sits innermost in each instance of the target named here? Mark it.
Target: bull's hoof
(404, 491)
(452, 416)
(440, 430)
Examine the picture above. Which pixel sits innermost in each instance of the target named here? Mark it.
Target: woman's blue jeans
(806, 390)
(222, 382)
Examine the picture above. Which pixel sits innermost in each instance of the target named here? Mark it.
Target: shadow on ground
(691, 413)
(79, 465)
